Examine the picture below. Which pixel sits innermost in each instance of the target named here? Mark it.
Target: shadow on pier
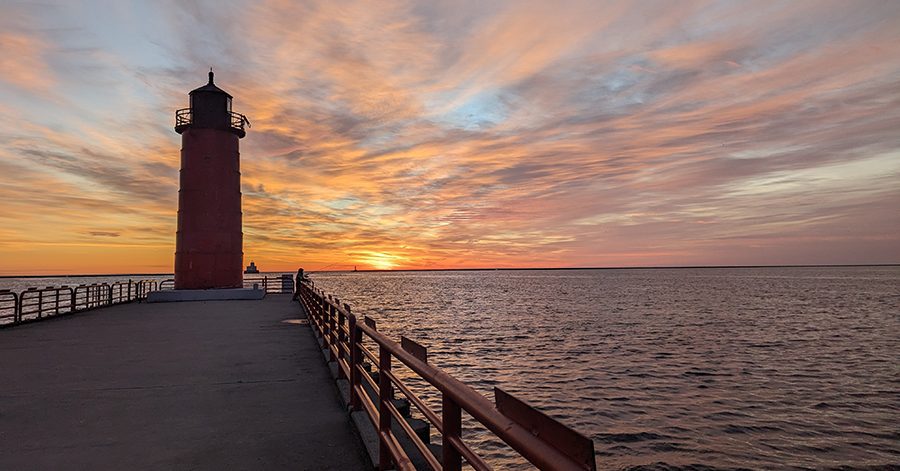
(199, 385)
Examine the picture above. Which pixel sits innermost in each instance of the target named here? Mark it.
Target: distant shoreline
(684, 267)
(681, 267)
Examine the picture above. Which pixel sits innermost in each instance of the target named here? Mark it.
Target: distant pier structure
(209, 241)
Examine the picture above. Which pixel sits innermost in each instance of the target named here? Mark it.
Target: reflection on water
(724, 368)
(296, 321)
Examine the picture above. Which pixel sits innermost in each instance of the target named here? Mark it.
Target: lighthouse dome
(210, 108)
(210, 87)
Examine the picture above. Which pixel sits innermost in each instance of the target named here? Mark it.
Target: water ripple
(691, 369)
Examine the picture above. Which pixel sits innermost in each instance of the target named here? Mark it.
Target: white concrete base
(178, 295)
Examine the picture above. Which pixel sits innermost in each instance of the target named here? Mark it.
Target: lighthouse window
(229, 105)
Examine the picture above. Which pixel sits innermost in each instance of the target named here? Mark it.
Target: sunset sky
(398, 134)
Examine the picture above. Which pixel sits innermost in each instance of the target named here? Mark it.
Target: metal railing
(35, 304)
(185, 117)
(238, 121)
(270, 284)
(9, 307)
(543, 441)
(144, 287)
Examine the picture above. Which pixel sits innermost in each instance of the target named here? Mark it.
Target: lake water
(761, 368)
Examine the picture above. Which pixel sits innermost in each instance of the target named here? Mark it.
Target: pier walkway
(197, 385)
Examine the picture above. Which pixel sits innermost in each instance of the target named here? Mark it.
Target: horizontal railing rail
(35, 304)
(540, 439)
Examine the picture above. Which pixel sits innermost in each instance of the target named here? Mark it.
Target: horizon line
(658, 267)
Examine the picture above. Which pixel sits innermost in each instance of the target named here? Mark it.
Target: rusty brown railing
(540, 439)
(35, 304)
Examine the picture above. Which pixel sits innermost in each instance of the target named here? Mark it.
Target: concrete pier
(198, 385)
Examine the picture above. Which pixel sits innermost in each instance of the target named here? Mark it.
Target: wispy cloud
(452, 134)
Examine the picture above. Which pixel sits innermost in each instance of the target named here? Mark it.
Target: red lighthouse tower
(208, 245)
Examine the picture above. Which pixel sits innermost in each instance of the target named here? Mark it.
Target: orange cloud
(433, 134)
(23, 63)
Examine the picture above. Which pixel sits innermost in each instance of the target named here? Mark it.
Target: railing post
(129, 289)
(451, 417)
(17, 308)
(355, 353)
(317, 302)
(326, 325)
(314, 303)
(323, 319)
(56, 307)
(342, 340)
(317, 309)
(40, 304)
(331, 334)
(384, 413)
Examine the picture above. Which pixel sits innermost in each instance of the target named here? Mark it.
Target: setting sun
(379, 260)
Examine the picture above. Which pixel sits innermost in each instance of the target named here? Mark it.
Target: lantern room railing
(184, 118)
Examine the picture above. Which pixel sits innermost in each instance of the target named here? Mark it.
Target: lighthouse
(208, 244)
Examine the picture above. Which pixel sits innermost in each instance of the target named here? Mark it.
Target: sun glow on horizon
(380, 260)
